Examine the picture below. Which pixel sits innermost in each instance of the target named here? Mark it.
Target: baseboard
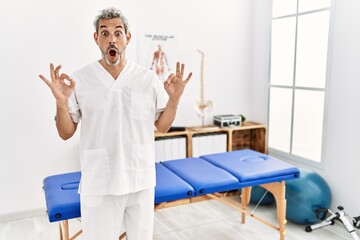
(22, 215)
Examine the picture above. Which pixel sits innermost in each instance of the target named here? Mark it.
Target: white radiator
(208, 144)
(170, 148)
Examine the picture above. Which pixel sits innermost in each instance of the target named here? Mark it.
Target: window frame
(289, 156)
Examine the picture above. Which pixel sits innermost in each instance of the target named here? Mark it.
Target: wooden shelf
(250, 135)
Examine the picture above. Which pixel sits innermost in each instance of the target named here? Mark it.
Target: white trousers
(104, 217)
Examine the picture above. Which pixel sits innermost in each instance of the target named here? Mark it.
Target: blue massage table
(183, 179)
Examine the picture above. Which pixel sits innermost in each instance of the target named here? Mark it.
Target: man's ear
(128, 38)
(96, 38)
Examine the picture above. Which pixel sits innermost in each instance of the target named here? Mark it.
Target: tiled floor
(210, 220)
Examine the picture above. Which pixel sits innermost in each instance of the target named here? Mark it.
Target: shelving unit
(250, 135)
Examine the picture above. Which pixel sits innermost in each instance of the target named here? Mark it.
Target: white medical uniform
(116, 145)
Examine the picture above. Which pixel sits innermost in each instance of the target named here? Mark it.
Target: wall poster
(158, 53)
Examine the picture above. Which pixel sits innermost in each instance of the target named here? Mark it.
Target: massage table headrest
(249, 165)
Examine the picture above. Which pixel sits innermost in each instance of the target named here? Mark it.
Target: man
(118, 103)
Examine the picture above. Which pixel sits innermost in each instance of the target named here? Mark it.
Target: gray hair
(110, 13)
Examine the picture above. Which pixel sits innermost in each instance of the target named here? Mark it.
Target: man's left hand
(175, 84)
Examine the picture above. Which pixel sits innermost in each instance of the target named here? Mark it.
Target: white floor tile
(210, 220)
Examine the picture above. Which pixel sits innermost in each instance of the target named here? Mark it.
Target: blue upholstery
(179, 179)
(62, 198)
(170, 187)
(203, 176)
(253, 168)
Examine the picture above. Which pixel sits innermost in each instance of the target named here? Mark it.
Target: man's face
(112, 40)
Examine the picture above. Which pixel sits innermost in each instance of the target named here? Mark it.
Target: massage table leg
(122, 236)
(60, 231)
(278, 191)
(64, 230)
(245, 199)
(64, 227)
(239, 206)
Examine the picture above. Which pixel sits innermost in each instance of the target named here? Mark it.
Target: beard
(106, 53)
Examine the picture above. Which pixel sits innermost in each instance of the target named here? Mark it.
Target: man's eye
(118, 34)
(104, 33)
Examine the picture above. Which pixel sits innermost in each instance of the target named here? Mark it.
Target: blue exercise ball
(305, 195)
(257, 194)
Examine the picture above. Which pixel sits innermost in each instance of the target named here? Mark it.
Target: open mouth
(112, 52)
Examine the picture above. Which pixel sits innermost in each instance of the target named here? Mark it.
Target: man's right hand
(61, 86)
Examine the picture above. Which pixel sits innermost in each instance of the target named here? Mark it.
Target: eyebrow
(104, 26)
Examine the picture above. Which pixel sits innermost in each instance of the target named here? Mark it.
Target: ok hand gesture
(61, 86)
(175, 84)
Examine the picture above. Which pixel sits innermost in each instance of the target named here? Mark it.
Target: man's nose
(112, 39)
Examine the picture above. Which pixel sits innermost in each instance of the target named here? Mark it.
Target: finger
(166, 85)
(71, 82)
(168, 80)
(45, 80)
(52, 74)
(182, 71)
(188, 78)
(57, 69)
(177, 69)
(64, 76)
(170, 77)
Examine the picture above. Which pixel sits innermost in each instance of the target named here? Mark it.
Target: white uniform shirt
(117, 127)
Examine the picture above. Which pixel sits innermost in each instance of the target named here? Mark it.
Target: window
(298, 67)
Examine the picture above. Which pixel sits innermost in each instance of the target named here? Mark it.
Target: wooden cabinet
(250, 135)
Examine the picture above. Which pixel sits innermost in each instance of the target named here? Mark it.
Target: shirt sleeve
(161, 97)
(74, 108)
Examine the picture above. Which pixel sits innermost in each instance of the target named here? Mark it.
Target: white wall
(37, 32)
(235, 38)
(260, 57)
(222, 31)
(342, 161)
(342, 157)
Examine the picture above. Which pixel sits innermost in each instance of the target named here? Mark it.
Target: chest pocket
(141, 105)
